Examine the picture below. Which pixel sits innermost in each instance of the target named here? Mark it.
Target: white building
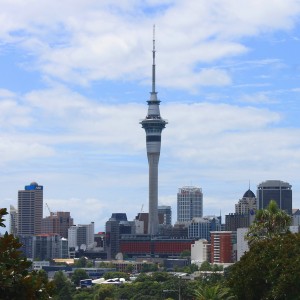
(189, 203)
(241, 242)
(81, 235)
(200, 251)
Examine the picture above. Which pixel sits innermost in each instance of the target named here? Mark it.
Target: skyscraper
(30, 209)
(247, 204)
(13, 224)
(58, 222)
(189, 203)
(276, 190)
(166, 211)
(153, 125)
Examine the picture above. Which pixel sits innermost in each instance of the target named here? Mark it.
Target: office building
(241, 243)
(153, 125)
(13, 220)
(80, 237)
(276, 190)
(247, 204)
(58, 222)
(166, 211)
(49, 246)
(222, 247)
(235, 221)
(189, 203)
(116, 226)
(200, 228)
(30, 209)
(200, 252)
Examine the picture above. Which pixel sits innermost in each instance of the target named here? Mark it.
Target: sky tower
(153, 125)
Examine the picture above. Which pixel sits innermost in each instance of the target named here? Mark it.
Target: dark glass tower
(153, 125)
(276, 190)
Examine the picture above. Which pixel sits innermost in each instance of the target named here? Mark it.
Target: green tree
(110, 275)
(81, 262)
(16, 282)
(129, 268)
(213, 292)
(63, 286)
(269, 270)
(185, 253)
(86, 294)
(105, 292)
(78, 275)
(205, 266)
(269, 222)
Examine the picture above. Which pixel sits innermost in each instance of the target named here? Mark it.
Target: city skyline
(75, 82)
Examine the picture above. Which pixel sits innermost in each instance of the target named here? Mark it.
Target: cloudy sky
(75, 78)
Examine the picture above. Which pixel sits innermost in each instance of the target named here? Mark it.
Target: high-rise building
(189, 203)
(201, 227)
(114, 228)
(49, 246)
(30, 209)
(276, 190)
(222, 250)
(153, 125)
(235, 221)
(13, 220)
(81, 235)
(58, 222)
(247, 204)
(166, 211)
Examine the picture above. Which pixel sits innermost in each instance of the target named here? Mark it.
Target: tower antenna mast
(153, 63)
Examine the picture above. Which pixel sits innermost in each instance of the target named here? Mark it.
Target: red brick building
(222, 246)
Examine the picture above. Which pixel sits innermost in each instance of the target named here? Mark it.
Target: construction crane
(140, 215)
(49, 209)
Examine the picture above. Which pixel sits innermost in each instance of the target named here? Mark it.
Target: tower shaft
(153, 125)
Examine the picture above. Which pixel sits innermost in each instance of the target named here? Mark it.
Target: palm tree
(213, 292)
(268, 223)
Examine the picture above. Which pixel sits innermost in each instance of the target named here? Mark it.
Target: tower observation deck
(153, 125)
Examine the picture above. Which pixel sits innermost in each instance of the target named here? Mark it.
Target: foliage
(269, 270)
(16, 281)
(81, 262)
(149, 268)
(110, 275)
(161, 276)
(78, 275)
(269, 222)
(185, 253)
(105, 292)
(206, 266)
(213, 292)
(63, 286)
(86, 294)
(129, 268)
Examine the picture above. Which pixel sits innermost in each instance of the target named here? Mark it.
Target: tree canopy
(16, 282)
(269, 222)
(270, 270)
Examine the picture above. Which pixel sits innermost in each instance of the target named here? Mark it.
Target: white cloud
(93, 41)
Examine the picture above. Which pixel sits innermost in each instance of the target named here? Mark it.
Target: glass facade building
(189, 203)
(276, 190)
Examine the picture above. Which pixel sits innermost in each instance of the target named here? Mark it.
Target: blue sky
(75, 78)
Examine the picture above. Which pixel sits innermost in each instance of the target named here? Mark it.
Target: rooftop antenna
(249, 184)
(153, 64)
